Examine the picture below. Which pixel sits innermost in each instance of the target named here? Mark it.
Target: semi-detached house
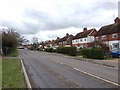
(110, 35)
(66, 41)
(84, 39)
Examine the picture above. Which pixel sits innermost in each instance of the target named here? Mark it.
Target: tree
(9, 41)
(35, 43)
(22, 40)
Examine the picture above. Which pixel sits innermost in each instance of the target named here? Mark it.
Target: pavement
(46, 70)
(110, 63)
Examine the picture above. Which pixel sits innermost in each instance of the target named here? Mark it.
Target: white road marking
(111, 82)
(97, 77)
(57, 61)
(26, 76)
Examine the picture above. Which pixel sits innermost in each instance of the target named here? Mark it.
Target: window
(104, 37)
(114, 35)
(96, 38)
(80, 40)
(115, 45)
(85, 39)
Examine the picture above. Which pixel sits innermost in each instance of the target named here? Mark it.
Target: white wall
(88, 39)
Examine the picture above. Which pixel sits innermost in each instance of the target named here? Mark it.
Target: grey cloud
(106, 5)
(76, 16)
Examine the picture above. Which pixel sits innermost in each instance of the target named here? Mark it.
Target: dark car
(115, 53)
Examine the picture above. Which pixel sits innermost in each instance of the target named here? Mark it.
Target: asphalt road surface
(47, 70)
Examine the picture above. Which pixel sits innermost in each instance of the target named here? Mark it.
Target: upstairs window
(114, 35)
(104, 37)
(76, 40)
(96, 38)
(80, 40)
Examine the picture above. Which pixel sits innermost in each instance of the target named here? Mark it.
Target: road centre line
(111, 82)
(96, 77)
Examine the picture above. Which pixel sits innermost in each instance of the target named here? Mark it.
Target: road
(46, 70)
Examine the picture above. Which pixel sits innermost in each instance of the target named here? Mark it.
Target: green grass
(0, 73)
(12, 76)
(14, 53)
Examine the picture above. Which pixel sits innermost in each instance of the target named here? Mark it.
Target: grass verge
(12, 76)
(0, 73)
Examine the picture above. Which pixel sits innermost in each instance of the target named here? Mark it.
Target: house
(110, 35)
(56, 43)
(48, 44)
(84, 39)
(66, 41)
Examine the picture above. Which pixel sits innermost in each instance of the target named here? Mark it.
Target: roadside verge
(107, 63)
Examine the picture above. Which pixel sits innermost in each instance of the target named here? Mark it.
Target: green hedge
(72, 51)
(92, 53)
(49, 50)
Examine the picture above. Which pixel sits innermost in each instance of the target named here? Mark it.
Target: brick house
(110, 35)
(84, 39)
(66, 41)
(56, 43)
(47, 44)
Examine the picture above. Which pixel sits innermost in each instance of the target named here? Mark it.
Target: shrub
(48, 49)
(92, 53)
(72, 51)
(9, 42)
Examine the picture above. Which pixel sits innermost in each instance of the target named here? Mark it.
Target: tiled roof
(109, 29)
(83, 34)
(65, 38)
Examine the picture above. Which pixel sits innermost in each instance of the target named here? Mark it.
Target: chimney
(58, 38)
(67, 34)
(117, 20)
(84, 29)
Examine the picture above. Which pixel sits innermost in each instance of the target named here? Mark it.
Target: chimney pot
(58, 38)
(117, 20)
(67, 34)
(84, 29)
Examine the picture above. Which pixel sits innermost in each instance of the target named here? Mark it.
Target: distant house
(84, 39)
(66, 41)
(110, 35)
(56, 43)
(48, 44)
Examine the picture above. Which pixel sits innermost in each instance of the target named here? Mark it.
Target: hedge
(72, 51)
(92, 53)
(49, 50)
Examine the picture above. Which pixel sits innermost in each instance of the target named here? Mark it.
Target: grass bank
(0, 73)
(12, 76)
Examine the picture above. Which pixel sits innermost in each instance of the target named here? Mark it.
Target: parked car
(115, 53)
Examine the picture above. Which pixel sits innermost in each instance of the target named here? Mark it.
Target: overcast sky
(48, 19)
